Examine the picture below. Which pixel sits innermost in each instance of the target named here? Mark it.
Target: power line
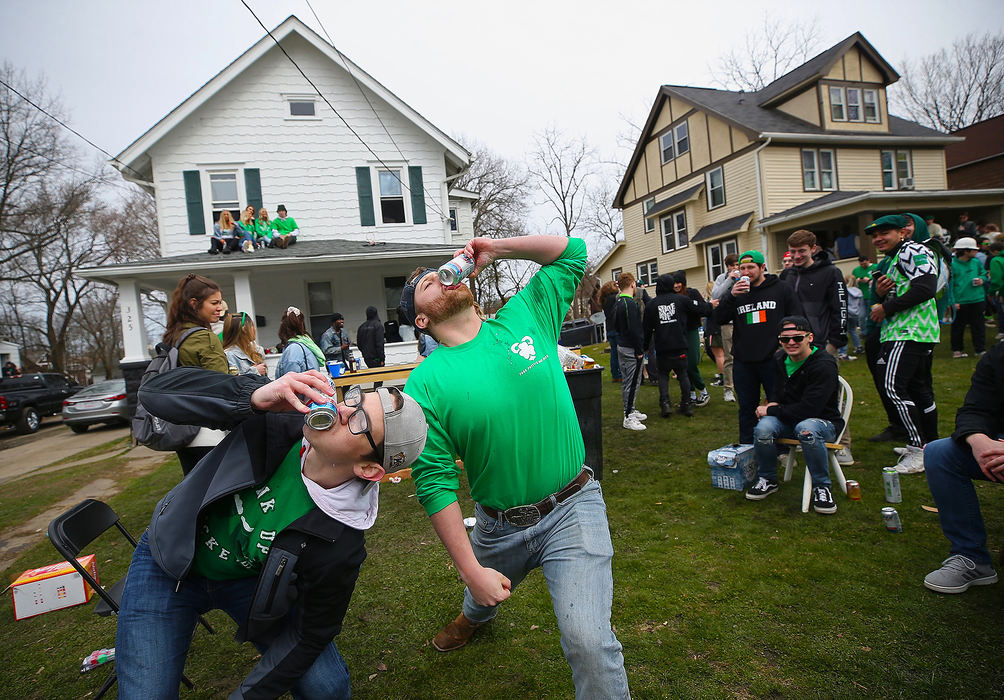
(64, 164)
(380, 160)
(69, 128)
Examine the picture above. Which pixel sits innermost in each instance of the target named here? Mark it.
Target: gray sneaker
(958, 573)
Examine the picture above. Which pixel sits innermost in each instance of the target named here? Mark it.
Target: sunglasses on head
(783, 339)
(242, 316)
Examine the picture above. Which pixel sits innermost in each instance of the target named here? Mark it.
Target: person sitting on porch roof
(286, 229)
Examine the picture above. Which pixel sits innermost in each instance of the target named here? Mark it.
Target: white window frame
(670, 227)
(453, 219)
(615, 273)
(835, 91)
(894, 170)
(402, 171)
(290, 98)
(711, 189)
(685, 138)
(870, 98)
(646, 272)
(206, 173)
(663, 147)
(646, 207)
(854, 103)
(817, 171)
(729, 245)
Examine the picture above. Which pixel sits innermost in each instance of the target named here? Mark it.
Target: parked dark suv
(26, 399)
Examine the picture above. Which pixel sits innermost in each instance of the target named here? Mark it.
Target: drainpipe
(760, 195)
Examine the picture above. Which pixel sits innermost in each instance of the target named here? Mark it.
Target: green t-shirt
(264, 229)
(236, 533)
(860, 272)
(963, 274)
(284, 226)
(501, 402)
(791, 366)
(918, 323)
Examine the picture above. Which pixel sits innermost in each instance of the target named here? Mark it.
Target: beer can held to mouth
(454, 272)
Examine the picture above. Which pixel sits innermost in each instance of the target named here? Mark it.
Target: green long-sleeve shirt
(963, 274)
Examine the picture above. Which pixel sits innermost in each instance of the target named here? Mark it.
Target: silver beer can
(454, 272)
(891, 519)
(890, 480)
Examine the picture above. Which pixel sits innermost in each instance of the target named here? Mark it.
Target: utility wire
(69, 128)
(345, 65)
(64, 164)
(332, 107)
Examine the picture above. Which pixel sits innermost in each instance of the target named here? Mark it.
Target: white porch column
(133, 328)
(242, 294)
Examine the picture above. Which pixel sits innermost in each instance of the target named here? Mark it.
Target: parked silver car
(104, 402)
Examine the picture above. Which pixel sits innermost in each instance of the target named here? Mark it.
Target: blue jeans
(572, 546)
(155, 626)
(811, 433)
(748, 378)
(950, 469)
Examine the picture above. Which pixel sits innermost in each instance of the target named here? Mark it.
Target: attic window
(837, 111)
(871, 106)
(301, 107)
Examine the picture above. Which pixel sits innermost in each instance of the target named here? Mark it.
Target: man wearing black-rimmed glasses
(267, 527)
(801, 405)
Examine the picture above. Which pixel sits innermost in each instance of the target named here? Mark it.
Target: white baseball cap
(966, 243)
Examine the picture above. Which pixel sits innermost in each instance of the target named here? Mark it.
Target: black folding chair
(77, 528)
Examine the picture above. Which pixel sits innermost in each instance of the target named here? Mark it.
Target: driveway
(20, 454)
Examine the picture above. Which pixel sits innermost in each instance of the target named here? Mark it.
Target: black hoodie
(666, 318)
(693, 322)
(810, 392)
(821, 291)
(756, 318)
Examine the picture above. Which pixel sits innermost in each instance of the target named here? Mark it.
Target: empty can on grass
(853, 490)
(890, 480)
(891, 519)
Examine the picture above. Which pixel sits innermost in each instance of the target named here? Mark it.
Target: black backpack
(149, 430)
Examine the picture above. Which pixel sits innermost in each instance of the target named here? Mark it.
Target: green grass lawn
(715, 596)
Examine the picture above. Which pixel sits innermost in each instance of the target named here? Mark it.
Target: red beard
(452, 302)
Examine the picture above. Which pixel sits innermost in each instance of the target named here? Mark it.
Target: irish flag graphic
(756, 317)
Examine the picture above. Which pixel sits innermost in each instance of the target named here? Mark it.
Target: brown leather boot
(456, 634)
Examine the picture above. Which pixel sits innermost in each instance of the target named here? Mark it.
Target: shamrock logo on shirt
(524, 348)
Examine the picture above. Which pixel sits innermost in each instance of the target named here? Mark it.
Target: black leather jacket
(312, 566)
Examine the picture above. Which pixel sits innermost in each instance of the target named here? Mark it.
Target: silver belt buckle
(522, 516)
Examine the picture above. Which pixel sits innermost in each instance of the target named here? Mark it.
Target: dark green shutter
(365, 187)
(252, 187)
(417, 194)
(193, 201)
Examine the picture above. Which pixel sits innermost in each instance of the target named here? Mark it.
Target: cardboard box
(733, 467)
(52, 587)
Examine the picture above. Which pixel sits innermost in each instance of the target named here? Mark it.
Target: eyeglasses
(323, 416)
(785, 339)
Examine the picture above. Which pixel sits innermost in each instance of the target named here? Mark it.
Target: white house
(10, 352)
(368, 182)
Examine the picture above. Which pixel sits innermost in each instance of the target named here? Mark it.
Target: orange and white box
(52, 587)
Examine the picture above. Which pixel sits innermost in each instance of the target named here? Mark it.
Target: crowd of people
(268, 525)
(252, 231)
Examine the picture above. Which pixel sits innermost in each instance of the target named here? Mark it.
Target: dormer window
(837, 112)
(871, 106)
(854, 104)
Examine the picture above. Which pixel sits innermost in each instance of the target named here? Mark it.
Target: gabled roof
(817, 67)
(136, 153)
(754, 112)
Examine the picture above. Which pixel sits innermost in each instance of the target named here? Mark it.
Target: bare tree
(600, 219)
(561, 165)
(768, 52)
(31, 150)
(500, 212)
(954, 88)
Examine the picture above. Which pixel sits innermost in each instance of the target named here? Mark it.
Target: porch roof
(722, 228)
(685, 196)
(845, 203)
(271, 259)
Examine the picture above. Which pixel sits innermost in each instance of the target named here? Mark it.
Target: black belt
(524, 516)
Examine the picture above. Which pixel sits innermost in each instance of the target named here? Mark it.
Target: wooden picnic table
(368, 376)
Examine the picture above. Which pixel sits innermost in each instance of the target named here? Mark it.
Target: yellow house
(716, 171)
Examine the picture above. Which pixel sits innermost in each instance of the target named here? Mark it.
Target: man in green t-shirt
(903, 302)
(495, 396)
(285, 228)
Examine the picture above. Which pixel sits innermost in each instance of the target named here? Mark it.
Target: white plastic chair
(845, 402)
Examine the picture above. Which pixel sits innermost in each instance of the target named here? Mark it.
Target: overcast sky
(494, 72)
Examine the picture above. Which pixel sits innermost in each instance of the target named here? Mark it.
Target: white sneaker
(638, 415)
(633, 424)
(912, 462)
(844, 456)
(247, 247)
(729, 396)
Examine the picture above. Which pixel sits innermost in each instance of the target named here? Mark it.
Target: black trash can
(578, 332)
(586, 387)
(132, 372)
